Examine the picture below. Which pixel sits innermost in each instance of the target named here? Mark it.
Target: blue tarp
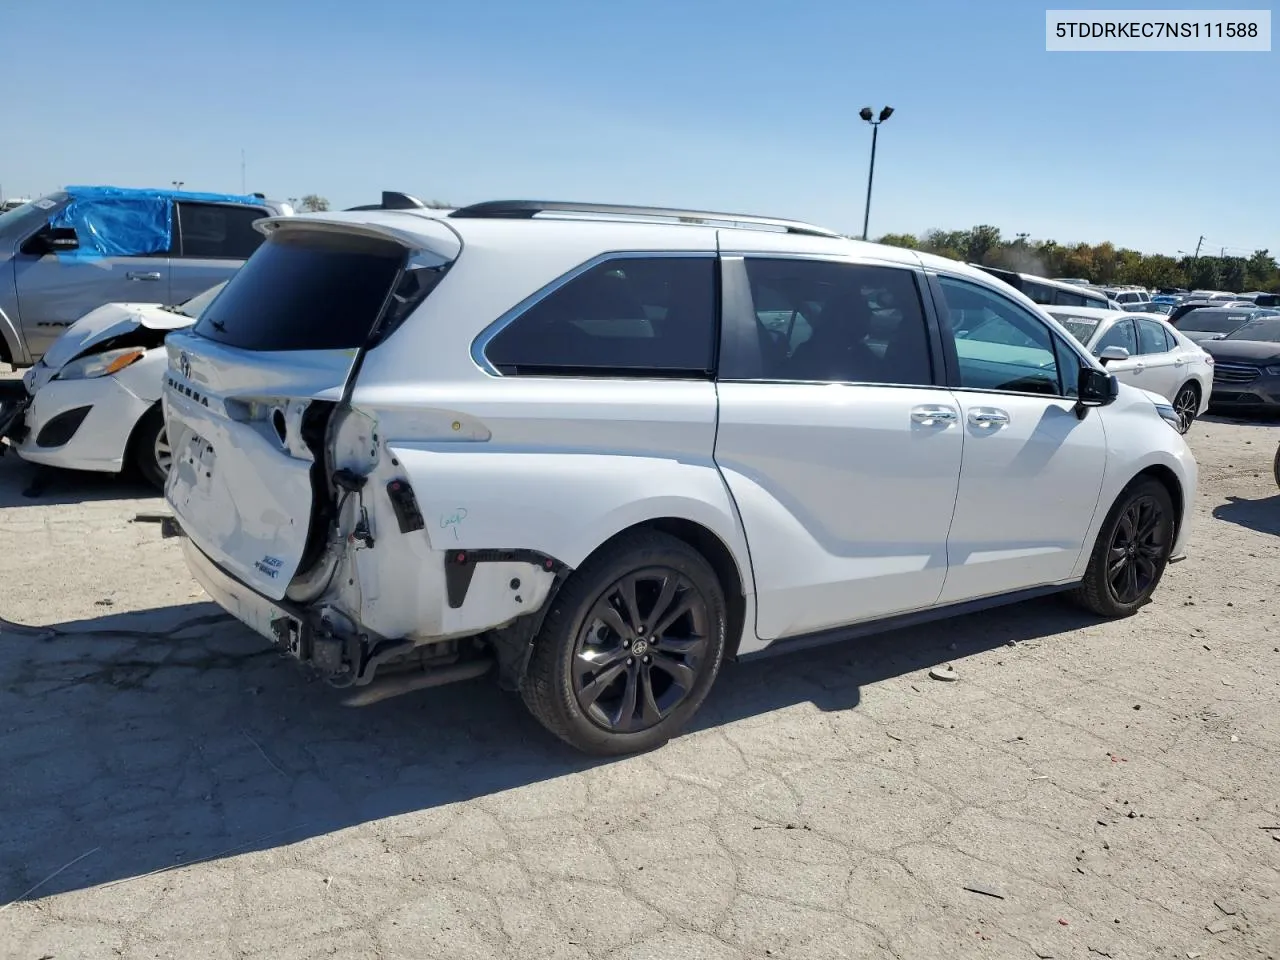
(122, 221)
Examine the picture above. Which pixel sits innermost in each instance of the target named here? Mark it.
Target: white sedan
(1146, 351)
(93, 400)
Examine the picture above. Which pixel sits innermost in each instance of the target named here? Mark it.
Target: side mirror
(1113, 353)
(1096, 388)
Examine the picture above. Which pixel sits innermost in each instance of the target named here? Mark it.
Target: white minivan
(597, 450)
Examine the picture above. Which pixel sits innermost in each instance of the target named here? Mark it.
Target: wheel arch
(131, 445)
(716, 552)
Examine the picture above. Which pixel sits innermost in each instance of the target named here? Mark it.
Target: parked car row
(82, 260)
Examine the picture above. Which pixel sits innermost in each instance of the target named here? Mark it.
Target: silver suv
(73, 251)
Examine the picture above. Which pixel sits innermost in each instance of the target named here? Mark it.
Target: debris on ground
(1218, 926)
(944, 673)
(985, 890)
(1227, 906)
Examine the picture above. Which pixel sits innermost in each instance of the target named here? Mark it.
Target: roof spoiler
(393, 200)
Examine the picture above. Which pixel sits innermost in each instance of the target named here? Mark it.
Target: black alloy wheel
(1131, 552)
(1138, 549)
(637, 655)
(630, 646)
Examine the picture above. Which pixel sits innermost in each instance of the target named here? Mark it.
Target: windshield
(21, 220)
(195, 306)
(1082, 328)
(1211, 320)
(1266, 329)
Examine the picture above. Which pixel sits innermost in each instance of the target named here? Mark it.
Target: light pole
(177, 184)
(865, 114)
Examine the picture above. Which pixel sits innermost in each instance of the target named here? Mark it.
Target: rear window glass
(305, 290)
(625, 317)
(1211, 320)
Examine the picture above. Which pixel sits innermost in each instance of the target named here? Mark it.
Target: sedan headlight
(1273, 370)
(1169, 415)
(100, 364)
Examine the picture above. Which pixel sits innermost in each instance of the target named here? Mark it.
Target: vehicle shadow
(137, 742)
(1262, 516)
(24, 484)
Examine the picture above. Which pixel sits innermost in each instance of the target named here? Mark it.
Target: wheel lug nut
(626, 644)
(630, 661)
(646, 659)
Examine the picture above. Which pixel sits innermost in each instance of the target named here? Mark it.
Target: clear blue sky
(745, 105)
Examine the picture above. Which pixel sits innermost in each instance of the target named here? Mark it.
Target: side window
(831, 322)
(1151, 337)
(999, 344)
(624, 317)
(1039, 292)
(216, 231)
(1066, 298)
(1120, 335)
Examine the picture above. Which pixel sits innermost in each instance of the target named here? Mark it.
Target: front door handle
(143, 275)
(988, 417)
(928, 415)
(1139, 367)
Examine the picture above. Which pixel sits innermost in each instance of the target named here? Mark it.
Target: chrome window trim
(485, 337)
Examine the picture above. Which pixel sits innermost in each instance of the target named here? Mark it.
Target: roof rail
(393, 200)
(528, 209)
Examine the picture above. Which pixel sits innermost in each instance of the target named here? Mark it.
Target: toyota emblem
(184, 364)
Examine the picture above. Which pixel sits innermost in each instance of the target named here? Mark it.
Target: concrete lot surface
(169, 788)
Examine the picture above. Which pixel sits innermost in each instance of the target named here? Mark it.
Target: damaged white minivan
(598, 450)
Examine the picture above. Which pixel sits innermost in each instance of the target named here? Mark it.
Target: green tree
(1202, 274)
(313, 203)
(1234, 274)
(1261, 271)
(980, 241)
(907, 240)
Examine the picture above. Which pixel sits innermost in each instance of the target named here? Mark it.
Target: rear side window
(216, 231)
(1121, 334)
(625, 317)
(830, 322)
(305, 290)
(1152, 338)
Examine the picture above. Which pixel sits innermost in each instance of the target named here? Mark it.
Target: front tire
(1131, 553)
(1276, 467)
(630, 647)
(151, 453)
(1186, 403)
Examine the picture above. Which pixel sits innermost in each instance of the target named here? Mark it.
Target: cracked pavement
(170, 788)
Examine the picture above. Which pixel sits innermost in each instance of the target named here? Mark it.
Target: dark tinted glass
(1121, 334)
(1151, 338)
(1069, 298)
(999, 344)
(1213, 320)
(1264, 328)
(305, 290)
(630, 316)
(218, 230)
(838, 322)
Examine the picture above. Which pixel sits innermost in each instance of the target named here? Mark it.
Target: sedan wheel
(1186, 404)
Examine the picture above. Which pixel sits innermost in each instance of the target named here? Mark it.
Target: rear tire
(603, 679)
(1276, 467)
(1131, 553)
(1186, 402)
(151, 453)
